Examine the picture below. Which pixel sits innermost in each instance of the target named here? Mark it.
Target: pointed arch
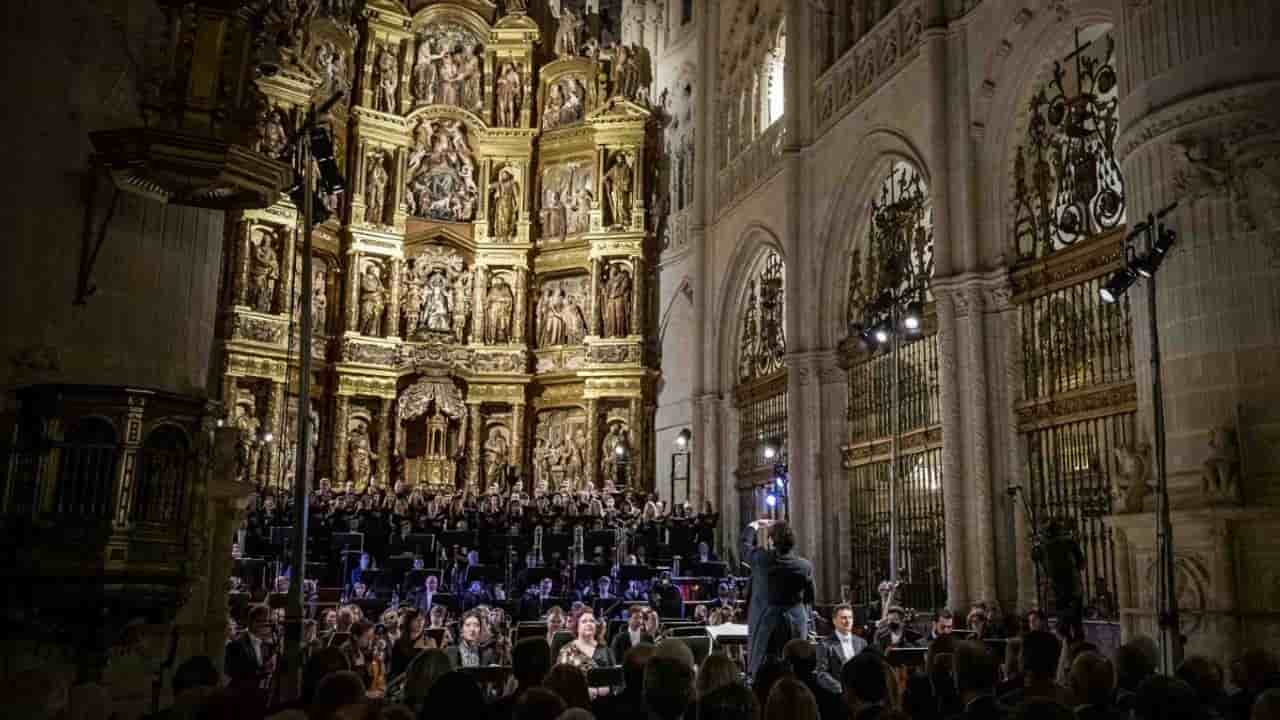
(757, 240)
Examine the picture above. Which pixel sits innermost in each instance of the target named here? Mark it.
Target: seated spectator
(791, 700)
(1258, 670)
(424, 670)
(530, 663)
(570, 683)
(1135, 661)
(668, 687)
(803, 659)
(1267, 706)
(730, 702)
(930, 694)
(538, 703)
(1040, 655)
(770, 672)
(1093, 685)
(1042, 709)
(716, 672)
(974, 671)
(1012, 667)
(628, 704)
(335, 691)
(1165, 698)
(866, 688)
(1205, 677)
(455, 689)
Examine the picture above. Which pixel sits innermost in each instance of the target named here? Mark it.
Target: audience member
(1205, 678)
(770, 672)
(628, 704)
(570, 683)
(716, 672)
(336, 690)
(731, 702)
(865, 686)
(423, 673)
(803, 659)
(538, 703)
(974, 671)
(1041, 708)
(1267, 706)
(1135, 661)
(1165, 698)
(791, 700)
(930, 694)
(1093, 685)
(1258, 670)
(668, 687)
(1040, 656)
(530, 663)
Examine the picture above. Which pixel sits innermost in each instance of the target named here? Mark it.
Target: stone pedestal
(1228, 578)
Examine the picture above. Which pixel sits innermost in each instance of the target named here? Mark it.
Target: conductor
(781, 593)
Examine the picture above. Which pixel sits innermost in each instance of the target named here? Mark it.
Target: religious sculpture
(359, 457)
(373, 299)
(561, 319)
(506, 204)
(442, 184)
(517, 6)
(319, 301)
(553, 217)
(615, 453)
(566, 198)
(331, 62)
(388, 81)
(497, 455)
(1132, 480)
(438, 315)
(617, 302)
(566, 103)
(559, 450)
(461, 306)
(626, 73)
(567, 29)
(270, 136)
(499, 302)
(264, 272)
(618, 181)
(448, 70)
(1220, 476)
(247, 423)
(376, 191)
(510, 94)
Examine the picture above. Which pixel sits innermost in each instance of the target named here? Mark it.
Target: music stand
(713, 570)
(530, 629)
(343, 543)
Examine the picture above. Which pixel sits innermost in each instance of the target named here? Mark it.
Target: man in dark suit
(839, 647)
(976, 671)
(634, 634)
(784, 581)
(803, 659)
(894, 633)
(250, 657)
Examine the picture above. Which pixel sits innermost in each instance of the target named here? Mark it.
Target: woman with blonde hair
(716, 672)
(791, 700)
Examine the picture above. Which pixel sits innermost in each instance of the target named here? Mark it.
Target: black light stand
(1159, 241)
(682, 442)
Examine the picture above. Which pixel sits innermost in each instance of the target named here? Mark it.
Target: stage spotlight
(911, 319)
(769, 452)
(771, 500)
(881, 333)
(779, 482)
(1148, 264)
(683, 438)
(772, 448)
(1117, 285)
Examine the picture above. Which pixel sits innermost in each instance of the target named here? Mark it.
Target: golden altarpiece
(482, 287)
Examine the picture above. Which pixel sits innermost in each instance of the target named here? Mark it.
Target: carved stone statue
(319, 301)
(626, 74)
(271, 138)
(578, 462)
(497, 453)
(246, 444)
(264, 272)
(448, 70)
(506, 204)
(373, 300)
(517, 6)
(388, 81)
(610, 459)
(617, 302)
(438, 314)
(567, 30)
(1220, 476)
(1132, 480)
(359, 458)
(376, 191)
(461, 306)
(415, 297)
(541, 465)
(579, 213)
(619, 181)
(553, 225)
(554, 104)
(441, 172)
(499, 302)
(510, 94)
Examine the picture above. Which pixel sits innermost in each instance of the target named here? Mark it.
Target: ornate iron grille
(899, 257)
(870, 415)
(920, 527)
(763, 341)
(1071, 340)
(1070, 468)
(761, 418)
(1067, 182)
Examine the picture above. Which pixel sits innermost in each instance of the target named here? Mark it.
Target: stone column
(127, 468)
(520, 312)
(481, 290)
(341, 418)
(978, 466)
(383, 477)
(1202, 127)
(475, 425)
(954, 480)
(596, 269)
(244, 236)
(274, 425)
(593, 443)
(517, 437)
(353, 291)
(635, 408)
(391, 324)
(833, 393)
(638, 293)
(288, 263)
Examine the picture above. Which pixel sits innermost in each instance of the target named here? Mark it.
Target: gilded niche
(566, 102)
(566, 199)
(442, 172)
(449, 70)
(562, 311)
(560, 449)
(437, 296)
(510, 95)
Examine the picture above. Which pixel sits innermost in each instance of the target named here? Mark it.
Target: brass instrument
(887, 590)
(579, 547)
(537, 545)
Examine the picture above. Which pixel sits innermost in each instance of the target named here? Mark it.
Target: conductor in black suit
(785, 581)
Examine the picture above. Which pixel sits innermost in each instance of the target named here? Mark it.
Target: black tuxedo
(831, 655)
(241, 662)
(622, 643)
(487, 655)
